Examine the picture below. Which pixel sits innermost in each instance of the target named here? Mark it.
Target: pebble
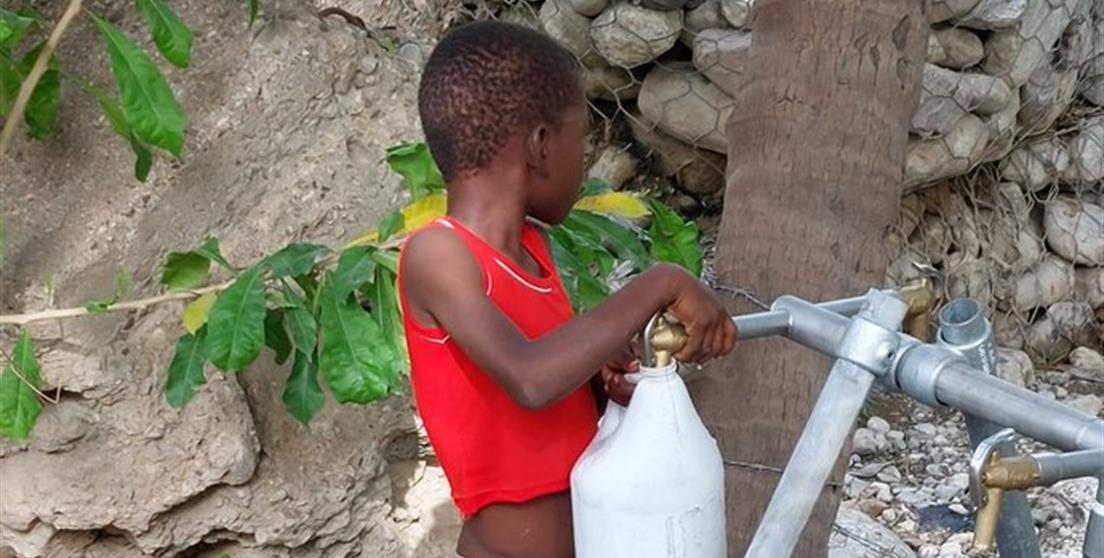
(864, 442)
(878, 424)
(925, 428)
(889, 474)
(897, 438)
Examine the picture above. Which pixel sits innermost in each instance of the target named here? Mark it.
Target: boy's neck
(491, 205)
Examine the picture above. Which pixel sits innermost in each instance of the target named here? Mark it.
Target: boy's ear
(537, 149)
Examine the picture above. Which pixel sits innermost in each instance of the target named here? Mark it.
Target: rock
(664, 4)
(1036, 165)
(589, 8)
(722, 55)
(605, 82)
(697, 171)
(686, 105)
(952, 487)
(1045, 96)
(943, 10)
(614, 165)
(926, 430)
(736, 12)
(1015, 52)
(1088, 286)
(947, 96)
(1003, 132)
(859, 536)
(933, 237)
(1091, 86)
(1049, 282)
(994, 14)
(1086, 151)
(954, 47)
(928, 160)
(706, 16)
(872, 506)
(571, 29)
(1075, 230)
(864, 442)
(903, 269)
(1089, 362)
(878, 424)
(1010, 329)
(1065, 326)
(889, 474)
(897, 439)
(628, 35)
(1089, 403)
(1015, 367)
(968, 277)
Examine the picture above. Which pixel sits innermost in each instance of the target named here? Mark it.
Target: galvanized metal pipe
(961, 387)
(778, 320)
(1054, 467)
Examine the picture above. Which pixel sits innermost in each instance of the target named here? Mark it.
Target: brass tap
(919, 295)
(662, 339)
(1016, 473)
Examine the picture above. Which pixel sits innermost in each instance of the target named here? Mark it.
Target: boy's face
(553, 197)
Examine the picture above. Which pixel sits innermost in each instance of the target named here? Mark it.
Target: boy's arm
(441, 277)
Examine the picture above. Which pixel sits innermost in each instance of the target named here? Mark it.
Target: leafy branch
(335, 313)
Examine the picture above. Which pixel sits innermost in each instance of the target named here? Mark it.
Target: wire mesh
(1004, 174)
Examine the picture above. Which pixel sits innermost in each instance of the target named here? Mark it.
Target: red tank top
(491, 449)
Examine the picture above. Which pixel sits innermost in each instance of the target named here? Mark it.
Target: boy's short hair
(485, 79)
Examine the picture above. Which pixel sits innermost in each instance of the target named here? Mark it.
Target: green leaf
(122, 285)
(276, 336)
(392, 223)
(300, 322)
(41, 111)
(594, 186)
(354, 268)
(585, 290)
(674, 240)
(10, 82)
(236, 329)
(586, 249)
(388, 259)
(303, 396)
(186, 370)
(184, 270)
(149, 104)
(415, 164)
(613, 235)
(385, 309)
(171, 36)
(294, 259)
(252, 11)
(210, 250)
(13, 26)
(143, 161)
(19, 404)
(354, 357)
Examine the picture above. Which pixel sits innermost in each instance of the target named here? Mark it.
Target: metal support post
(964, 329)
(829, 424)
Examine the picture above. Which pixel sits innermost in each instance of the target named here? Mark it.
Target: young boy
(500, 366)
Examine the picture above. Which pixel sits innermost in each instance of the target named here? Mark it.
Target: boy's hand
(708, 324)
(617, 386)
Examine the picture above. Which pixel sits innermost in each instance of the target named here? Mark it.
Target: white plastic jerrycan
(651, 483)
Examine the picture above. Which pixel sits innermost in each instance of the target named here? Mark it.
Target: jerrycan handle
(661, 340)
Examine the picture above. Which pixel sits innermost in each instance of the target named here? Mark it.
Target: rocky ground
(909, 468)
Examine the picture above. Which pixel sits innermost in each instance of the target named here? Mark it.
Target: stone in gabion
(1047, 283)
(736, 12)
(571, 29)
(994, 14)
(678, 99)
(928, 160)
(602, 81)
(1075, 230)
(1065, 325)
(954, 47)
(589, 8)
(628, 35)
(1036, 165)
(1045, 96)
(1088, 286)
(722, 55)
(1086, 152)
(943, 10)
(696, 170)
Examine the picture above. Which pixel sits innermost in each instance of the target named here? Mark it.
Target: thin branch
(24, 319)
(15, 117)
(19, 374)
